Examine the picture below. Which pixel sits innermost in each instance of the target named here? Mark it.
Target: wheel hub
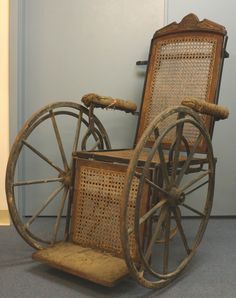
(175, 196)
(66, 178)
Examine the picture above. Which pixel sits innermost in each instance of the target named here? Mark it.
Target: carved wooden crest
(191, 23)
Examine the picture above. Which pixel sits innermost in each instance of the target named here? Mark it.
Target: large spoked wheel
(38, 178)
(178, 208)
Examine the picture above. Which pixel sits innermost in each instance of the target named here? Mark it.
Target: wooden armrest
(203, 107)
(109, 102)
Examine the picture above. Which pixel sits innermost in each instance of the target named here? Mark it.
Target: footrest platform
(88, 263)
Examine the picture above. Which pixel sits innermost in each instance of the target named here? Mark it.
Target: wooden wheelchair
(140, 211)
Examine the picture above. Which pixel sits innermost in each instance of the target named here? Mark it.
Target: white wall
(71, 48)
(222, 12)
(4, 98)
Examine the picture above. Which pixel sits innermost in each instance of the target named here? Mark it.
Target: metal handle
(145, 62)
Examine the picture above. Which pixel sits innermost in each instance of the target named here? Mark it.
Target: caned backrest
(185, 60)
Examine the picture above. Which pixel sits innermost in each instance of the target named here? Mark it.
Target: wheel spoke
(95, 146)
(152, 184)
(149, 213)
(166, 244)
(77, 133)
(195, 180)
(58, 219)
(39, 181)
(199, 186)
(163, 165)
(141, 272)
(181, 230)
(42, 156)
(59, 141)
(156, 132)
(188, 160)
(49, 199)
(162, 159)
(179, 134)
(156, 231)
(193, 210)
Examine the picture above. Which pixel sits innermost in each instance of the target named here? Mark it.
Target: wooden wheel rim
(201, 228)
(33, 122)
(162, 279)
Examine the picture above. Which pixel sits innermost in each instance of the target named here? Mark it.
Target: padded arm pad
(109, 102)
(203, 107)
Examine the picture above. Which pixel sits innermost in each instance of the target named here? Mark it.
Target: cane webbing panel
(180, 66)
(96, 207)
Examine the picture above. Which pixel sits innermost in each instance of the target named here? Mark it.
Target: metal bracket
(226, 54)
(145, 62)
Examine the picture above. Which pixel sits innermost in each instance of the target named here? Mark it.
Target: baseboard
(4, 218)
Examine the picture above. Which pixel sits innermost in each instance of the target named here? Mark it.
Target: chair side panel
(96, 206)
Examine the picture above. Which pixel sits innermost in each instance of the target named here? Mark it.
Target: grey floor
(212, 272)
